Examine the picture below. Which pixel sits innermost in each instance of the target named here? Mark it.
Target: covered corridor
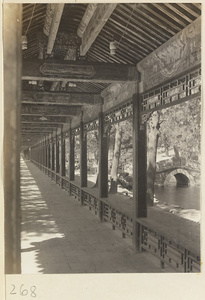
(60, 236)
(91, 86)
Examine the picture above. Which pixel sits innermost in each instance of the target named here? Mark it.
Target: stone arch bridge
(184, 176)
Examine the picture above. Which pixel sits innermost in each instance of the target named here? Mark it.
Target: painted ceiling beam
(38, 125)
(61, 98)
(56, 18)
(54, 70)
(44, 131)
(57, 120)
(100, 16)
(50, 110)
(31, 129)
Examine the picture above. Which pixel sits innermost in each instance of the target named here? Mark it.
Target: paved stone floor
(60, 236)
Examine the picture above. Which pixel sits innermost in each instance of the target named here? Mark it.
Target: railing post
(139, 170)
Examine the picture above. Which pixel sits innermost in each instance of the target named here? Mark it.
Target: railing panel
(58, 179)
(118, 220)
(66, 185)
(75, 191)
(169, 252)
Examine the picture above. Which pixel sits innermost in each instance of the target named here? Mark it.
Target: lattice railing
(75, 191)
(90, 201)
(167, 251)
(66, 184)
(91, 125)
(76, 131)
(118, 220)
(58, 179)
(174, 91)
(120, 113)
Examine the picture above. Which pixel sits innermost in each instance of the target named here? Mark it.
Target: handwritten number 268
(23, 291)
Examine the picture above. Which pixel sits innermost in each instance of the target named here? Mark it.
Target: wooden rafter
(58, 10)
(86, 19)
(99, 18)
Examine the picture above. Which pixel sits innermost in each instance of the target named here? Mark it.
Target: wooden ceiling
(51, 98)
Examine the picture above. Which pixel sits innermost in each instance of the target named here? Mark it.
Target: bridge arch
(183, 177)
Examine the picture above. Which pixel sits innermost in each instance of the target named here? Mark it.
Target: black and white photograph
(102, 146)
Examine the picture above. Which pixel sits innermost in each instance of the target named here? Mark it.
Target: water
(185, 197)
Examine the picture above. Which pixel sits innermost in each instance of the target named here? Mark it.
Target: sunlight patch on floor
(32, 204)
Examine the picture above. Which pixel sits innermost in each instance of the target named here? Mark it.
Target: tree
(153, 126)
(116, 157)
(181, 127)
(93, 147)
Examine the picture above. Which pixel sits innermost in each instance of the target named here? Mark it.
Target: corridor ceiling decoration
(136, 28)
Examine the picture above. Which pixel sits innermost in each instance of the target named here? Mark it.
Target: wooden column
(103, 164)
(139, 170)
(44, 151)
(12, 15)
(83, 159)
(83, 156)
(57, 154)
(31, 153)
(38, 151)
(72, 156)
(49, 155)
(52, 157)
(46, 154)
(41, 152)
(42, 162)
(62, 169)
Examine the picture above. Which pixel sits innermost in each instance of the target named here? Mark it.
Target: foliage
(77, 152)
(125, 161)
(180, 129)
(92, 148)
(67, 155)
